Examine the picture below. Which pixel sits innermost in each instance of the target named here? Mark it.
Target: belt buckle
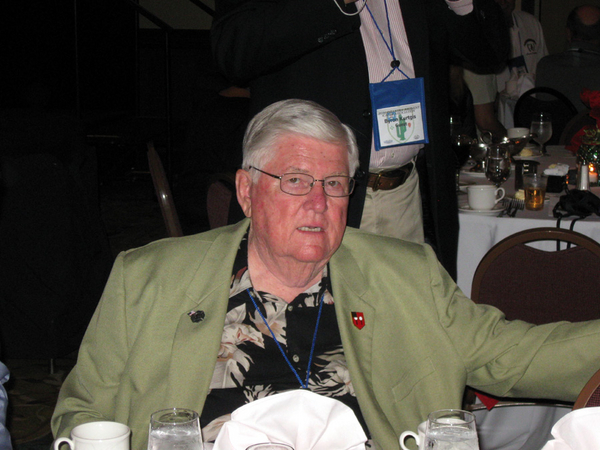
(376, 182)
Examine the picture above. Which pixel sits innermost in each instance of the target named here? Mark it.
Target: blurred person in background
(577, 67)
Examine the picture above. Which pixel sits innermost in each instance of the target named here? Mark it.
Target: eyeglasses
(302, 183)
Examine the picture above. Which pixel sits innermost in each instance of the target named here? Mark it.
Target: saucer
(466, 171)
(483, 212)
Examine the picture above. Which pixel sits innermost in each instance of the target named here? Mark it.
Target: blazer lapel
(197, 342)
(351, 296)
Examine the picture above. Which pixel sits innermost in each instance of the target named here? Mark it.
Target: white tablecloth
(479, 233)
(517, 427)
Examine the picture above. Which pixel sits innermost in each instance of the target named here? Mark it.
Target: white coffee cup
(97, 436)
(484, 197)
(515, 133)
(419, 438)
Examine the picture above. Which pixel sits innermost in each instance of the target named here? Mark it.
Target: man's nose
(317, 199)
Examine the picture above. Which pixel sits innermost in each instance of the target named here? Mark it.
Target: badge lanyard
(395, 62)
(398, 107)
(312, 347)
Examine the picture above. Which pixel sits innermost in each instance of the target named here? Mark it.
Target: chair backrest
(163, 192)
(545, 99)
(590, 394)
(574, 125)
(221, 192)
(540, 286)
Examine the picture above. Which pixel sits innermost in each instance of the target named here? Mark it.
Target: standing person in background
(579, 66)
(528, 46)
(329, 52)
(483, 89)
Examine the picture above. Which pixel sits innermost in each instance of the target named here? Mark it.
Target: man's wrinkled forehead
(300, 144)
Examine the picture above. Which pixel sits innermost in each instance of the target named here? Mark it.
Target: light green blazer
(422, 342)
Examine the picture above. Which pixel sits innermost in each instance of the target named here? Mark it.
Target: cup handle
(407, 434)
(62, 440)
(503, 193)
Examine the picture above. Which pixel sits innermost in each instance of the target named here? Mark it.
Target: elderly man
(290, 298)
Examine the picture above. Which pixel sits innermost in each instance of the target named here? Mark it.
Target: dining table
(480, 231)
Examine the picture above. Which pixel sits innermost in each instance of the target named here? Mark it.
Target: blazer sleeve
(254, 37)
(89, 392)
(514, 358)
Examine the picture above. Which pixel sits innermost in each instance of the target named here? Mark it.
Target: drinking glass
(497, 164)
(175, 429)
(451, 429)
(535, 191)
(541, 129)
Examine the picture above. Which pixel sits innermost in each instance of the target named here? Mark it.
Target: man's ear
(243, 186)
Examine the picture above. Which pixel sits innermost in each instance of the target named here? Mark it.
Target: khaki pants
(397, 212)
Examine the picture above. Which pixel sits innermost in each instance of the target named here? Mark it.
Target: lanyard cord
(304, 385)
(358, 11)
(395, 62)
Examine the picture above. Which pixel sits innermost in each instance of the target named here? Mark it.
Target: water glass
(175, 429)
(541, 129)
(451, 429)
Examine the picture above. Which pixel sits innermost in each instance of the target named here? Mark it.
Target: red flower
(576, 142)
(592, 101)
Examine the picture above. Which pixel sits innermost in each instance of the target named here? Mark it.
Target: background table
(479, 233)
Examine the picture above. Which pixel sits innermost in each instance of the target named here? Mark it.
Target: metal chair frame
(590, 394)
(163, 193)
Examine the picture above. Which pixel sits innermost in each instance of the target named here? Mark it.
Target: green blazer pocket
(411, 378)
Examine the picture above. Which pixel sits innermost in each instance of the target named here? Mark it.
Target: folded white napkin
(578, 430)
(518, 84)
(557, 169)
(299, 418)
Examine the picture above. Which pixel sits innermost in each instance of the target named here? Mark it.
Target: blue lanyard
(395, 62)
(304, 385)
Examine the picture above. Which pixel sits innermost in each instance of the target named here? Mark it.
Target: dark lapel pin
(197, 316)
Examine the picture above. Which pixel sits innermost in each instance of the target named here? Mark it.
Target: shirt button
(296, 358)
(290, 308)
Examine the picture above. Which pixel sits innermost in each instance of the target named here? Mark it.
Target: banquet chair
(221, 193)
(163, 193)
(590, 394)
(539, 286)
(545, 99)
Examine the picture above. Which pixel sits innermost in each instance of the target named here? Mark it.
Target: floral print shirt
(250, 365)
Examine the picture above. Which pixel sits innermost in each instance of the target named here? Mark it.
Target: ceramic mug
(484, 197)
(97, 436)
(419, 438)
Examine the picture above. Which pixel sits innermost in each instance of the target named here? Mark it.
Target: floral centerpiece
(589, 133)
(586, 142)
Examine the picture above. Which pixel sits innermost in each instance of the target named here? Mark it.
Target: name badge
(398, 110)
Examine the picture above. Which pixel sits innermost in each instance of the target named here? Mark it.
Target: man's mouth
(314, 229)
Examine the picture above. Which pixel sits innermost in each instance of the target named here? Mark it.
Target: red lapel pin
(358, 319)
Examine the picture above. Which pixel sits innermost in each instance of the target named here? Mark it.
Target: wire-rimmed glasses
(302, 183)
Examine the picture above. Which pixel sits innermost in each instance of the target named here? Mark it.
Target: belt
(390, 179)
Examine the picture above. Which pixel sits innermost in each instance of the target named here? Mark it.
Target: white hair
(294, 116)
